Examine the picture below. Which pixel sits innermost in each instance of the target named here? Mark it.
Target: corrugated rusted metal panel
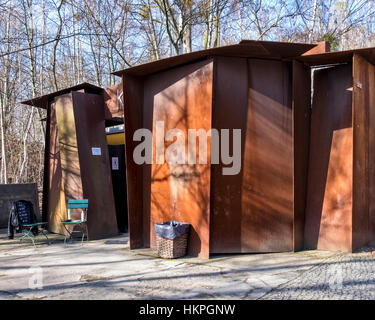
(328, 222)
(229, 111)
(182, 99)
(301, 142)
(95, 174)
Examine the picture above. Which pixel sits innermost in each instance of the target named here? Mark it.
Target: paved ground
(107, 269)
(343, 276)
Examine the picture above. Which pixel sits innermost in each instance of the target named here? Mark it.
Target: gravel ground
(343, 276)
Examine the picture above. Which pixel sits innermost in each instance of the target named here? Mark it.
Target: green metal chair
(27, 231)
(76, 204)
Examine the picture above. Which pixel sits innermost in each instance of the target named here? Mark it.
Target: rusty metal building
(340, 204)
(255, 86)
(77, 159)
(307, 123)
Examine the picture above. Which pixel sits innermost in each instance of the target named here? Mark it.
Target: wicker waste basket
(172, 239)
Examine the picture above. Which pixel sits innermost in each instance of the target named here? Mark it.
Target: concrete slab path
(107, 269)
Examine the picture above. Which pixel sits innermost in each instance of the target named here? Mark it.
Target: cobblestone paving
(344, 276)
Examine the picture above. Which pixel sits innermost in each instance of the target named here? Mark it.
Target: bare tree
(46, 45)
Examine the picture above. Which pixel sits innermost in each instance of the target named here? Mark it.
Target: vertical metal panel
(328, 221)
(182, 99)
(362, 104)
(46, 168)
(229, 111)
(371, 154)
(150, 88)
(301, 141)
(133, 90)
(56, 196)
(75, 172)
(95, 171)
(267, 198)
(253, 211)
(70, 166)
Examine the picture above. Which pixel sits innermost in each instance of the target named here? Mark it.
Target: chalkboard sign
(23, 212)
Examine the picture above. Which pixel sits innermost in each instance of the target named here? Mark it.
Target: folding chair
(76, 204)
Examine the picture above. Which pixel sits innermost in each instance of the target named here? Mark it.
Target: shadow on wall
(268, 169)
(182, 99)
(253, 211)
(329, 194)
(246, 210)
(65, 182)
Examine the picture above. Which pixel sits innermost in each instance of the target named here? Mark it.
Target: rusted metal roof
(41, 102)
(246, 48)
(337, 57)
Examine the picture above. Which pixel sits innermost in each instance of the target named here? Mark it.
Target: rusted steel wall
(253, 211)
(133, 119)
(182, 99)
(328, 222)
(267, 223)
(68, 146)
(363, 152)
(295, 186)
(46, 167)
(158, 193)
(113, 101)
(77, 125)
(371, 152)
(301, 142)
(229, 110)
(95, 174)
(55, 203)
